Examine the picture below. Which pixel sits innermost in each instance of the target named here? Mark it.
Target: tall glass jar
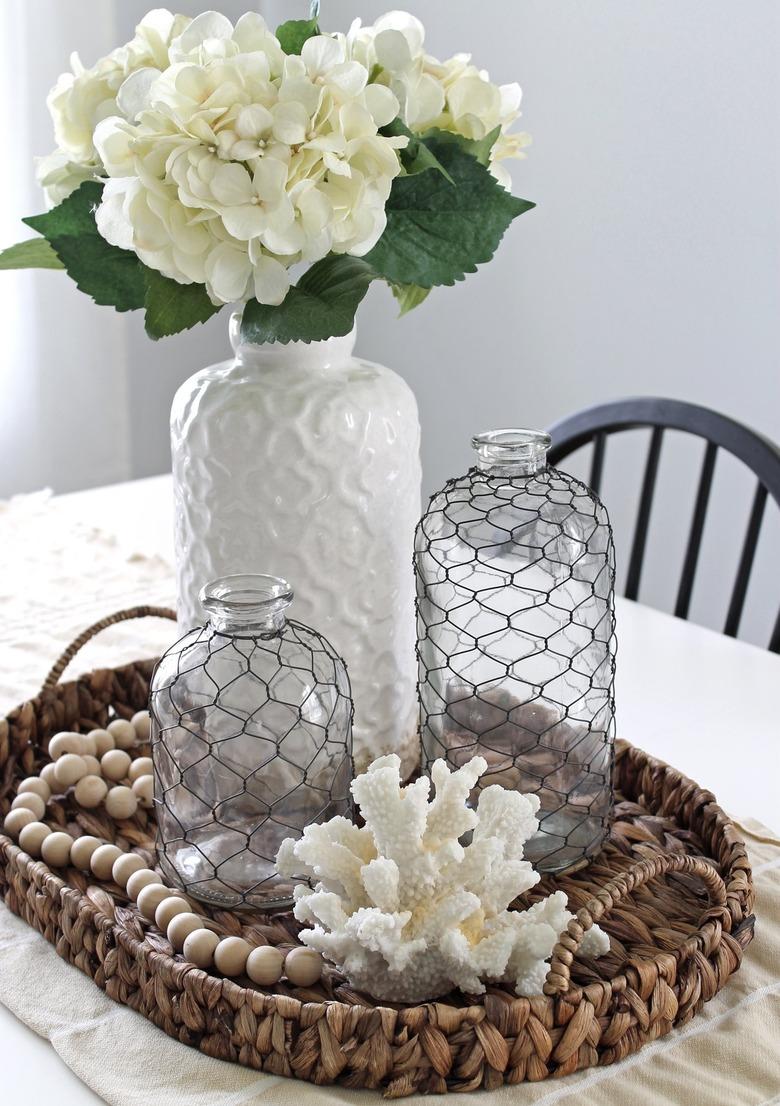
(516, 647)
(251, 740)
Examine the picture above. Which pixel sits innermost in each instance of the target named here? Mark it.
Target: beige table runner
(729, 1055)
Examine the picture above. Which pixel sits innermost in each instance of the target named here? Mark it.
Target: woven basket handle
(121, 616)
(558, 980)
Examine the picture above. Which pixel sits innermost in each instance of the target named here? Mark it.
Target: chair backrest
(759, 454)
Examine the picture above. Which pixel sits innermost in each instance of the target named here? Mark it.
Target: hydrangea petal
(271, 281)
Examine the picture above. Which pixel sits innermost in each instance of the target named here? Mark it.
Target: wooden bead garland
(121, 803)
(115, 764)
(102, 860)
(140, 879)
(264, 965)
(168, 909)
(30, 801)
(75, 762)
(69, 769)
(199, 947)
(180, 927)
(151, 897)
(125, 866)
(82, 850)
(90, 792)
(55, 849)
(36, 785)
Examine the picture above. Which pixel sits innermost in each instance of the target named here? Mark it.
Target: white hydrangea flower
(452, 95)
(405, 910)
(231, 166)
(83, 97)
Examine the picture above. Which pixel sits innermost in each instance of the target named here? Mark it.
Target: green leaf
(35, 253)
(437, 231)
(479, 148)
(172, 307)
(321, 305)
(416, 157)
(112, 277)
(408, 296)
(295, 32)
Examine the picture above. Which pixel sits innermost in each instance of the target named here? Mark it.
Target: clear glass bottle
(251, 740)
(515, 621)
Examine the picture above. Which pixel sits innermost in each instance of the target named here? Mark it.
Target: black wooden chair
(761, 456)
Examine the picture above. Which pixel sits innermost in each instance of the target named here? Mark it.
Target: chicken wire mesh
(251, 742)
(516, 644)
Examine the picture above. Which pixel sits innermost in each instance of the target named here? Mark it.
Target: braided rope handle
(558, 980)
(68, 654)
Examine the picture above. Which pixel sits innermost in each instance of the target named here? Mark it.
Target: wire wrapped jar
(251, 735)
(516, 649)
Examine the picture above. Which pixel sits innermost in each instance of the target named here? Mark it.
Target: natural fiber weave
(675, 938)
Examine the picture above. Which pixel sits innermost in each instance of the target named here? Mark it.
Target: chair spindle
(643, 516)
(683, 603)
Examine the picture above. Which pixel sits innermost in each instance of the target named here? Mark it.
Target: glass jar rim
(246, 594)
(511, 442)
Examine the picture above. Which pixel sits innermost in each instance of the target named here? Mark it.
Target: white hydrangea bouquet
(204, 163)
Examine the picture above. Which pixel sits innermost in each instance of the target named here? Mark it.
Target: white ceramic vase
(302, 461)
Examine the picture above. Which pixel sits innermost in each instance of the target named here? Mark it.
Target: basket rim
(39, 874)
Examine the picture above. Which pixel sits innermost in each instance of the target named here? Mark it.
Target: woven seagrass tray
(672, 888)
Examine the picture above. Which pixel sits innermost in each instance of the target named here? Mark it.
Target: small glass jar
(515, 621)
(251, 735)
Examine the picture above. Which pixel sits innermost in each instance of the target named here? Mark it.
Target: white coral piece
(405, 910)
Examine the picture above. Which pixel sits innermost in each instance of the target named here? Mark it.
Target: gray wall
(651, 265)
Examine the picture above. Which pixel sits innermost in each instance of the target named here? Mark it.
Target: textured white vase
(302, 461)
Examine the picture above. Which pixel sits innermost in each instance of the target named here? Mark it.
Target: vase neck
(247, 605)
(315, 355)
(511, 452)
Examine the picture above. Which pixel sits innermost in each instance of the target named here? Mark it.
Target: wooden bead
(48, 775)
(123, 733)
(141, 724)
(32, 836)
(125, 866)
(141, 766)
(102, 860)
(82, 850)
(264, 965)
(15, 820)
(69, 769)
(36, 786)
(303, 967)
(121, 803)
(143, 789)
(32, 802)
(140, 879)
(55, 849)
(92, 763)
(63, 743)
(167, 911)
(88, 745)
(115, 764)
(104, 742)
(231, 955)
(199, 947)
(150, 898)
(180, 927)
(90, 792)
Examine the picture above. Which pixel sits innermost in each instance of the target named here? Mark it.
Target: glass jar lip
(246, 593)
(511, 443)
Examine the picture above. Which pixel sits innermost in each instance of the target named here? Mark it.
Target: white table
(703, 702)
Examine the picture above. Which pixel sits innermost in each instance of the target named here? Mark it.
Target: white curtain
(63, 403)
